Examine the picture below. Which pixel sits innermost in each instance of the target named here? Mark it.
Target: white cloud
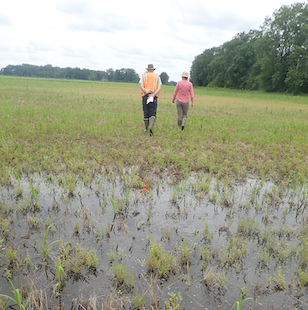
(5, 19)
(107, 23)
(39, 46)
(73, 7)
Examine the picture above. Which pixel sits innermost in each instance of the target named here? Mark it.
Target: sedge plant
(18, 298)
(46, 248)
(239, 304)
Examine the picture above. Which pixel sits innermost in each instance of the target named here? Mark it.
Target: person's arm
(156, 92)
(175, 92)
(141, 83)
(192, 96)
(142, 88)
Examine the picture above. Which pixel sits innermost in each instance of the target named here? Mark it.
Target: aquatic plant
(206, 234)
(185, 250)
(111, 255)
(239, 304)
(165, 233)
(204, 256)
(213, 279)
(121, 274)
(302, 277)
(11, 254)
(265, 256)
(75, 258)
(18, 298)
(4, 223)
(247, 225)
(235, 250)
(173, 303)
(76, 228)
(59, 275)
(159, 259)
(279, 280)
(139, 300)
(45, 251)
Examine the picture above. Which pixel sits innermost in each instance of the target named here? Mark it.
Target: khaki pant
(182, 108)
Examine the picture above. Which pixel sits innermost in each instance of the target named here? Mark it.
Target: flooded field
(197, 243)
(95, 214)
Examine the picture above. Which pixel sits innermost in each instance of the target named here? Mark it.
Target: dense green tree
(199, 69)
(272, 59)
(283, 52)
(130, 75)
(118, 75)
(239, 61)
(110, 74)
(164, 77)
(216, 69)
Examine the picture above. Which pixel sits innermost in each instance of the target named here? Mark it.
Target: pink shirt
(182, 88)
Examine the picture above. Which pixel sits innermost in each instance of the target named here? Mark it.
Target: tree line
(48, 71)
(274, 58)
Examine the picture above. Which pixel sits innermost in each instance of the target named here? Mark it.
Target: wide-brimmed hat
(151, 67)
(185, 74)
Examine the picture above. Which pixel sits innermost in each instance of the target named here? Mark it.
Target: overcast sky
(103, 34)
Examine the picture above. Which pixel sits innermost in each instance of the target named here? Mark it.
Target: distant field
(86, 124)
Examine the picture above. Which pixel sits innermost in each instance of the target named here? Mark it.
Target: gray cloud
(223, 19)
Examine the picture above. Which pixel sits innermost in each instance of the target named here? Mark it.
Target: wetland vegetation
(95, 214)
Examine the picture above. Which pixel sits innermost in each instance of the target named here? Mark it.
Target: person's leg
(180, 112)
(185, 112)
(151, 125)
(146, 124)
(145, 112)
(152, 114)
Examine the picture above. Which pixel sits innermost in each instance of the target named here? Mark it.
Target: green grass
(75, 127)
(18, 298)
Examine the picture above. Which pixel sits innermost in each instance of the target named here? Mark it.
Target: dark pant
(149, 109)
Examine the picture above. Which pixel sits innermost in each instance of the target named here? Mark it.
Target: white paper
(150, 99)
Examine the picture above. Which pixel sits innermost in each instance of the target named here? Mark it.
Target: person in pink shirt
(182, 91)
